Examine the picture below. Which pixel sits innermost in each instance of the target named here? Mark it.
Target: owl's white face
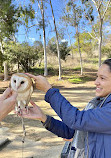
(19, 83)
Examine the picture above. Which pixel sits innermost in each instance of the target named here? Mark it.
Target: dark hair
(108, 62)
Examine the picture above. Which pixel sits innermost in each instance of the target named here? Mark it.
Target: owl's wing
(29, 96)
(9, 85)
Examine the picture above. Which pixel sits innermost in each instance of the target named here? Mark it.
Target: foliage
(106, 50)
(38, 48)
(108, 16)
(73, 15)
(64, 49)
(37, 71)
(27, 13)
(21, 54)
(85, 43)
(77, 79)
(8, 19)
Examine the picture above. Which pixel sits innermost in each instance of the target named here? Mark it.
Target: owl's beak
(18, 87)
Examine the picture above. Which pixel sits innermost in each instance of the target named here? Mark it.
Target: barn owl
(23, 85)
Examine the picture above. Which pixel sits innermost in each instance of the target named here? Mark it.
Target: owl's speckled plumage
(23, 85)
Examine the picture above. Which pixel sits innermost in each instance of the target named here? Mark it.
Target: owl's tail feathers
(24, 131)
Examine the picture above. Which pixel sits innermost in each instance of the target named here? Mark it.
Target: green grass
(77, 69)
(37, 71)
(40, 71)
(77, 79)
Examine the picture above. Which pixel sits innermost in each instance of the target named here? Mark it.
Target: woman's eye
(102, 78)
(15, 81)
(22, 82)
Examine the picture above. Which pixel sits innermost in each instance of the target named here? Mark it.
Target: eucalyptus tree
(73, 18)
(57, 41)
(38, 21)
(101, 7)
(41, 6)
(86, 42)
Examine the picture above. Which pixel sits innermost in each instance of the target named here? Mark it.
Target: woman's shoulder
(107, 100)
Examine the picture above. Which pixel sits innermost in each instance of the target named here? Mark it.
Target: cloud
(63, 40)
(31, 39)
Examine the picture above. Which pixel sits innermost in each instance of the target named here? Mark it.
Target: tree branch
(93, 28)
(95, 4)
(33, 25)
(92, 35)
(106, 8)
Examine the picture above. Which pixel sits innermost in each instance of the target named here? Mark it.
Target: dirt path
(40, 142)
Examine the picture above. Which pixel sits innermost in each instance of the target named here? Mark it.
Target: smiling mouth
(98, 89)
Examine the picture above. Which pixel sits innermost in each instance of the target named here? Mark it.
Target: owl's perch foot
(26, 107)
(19, 110)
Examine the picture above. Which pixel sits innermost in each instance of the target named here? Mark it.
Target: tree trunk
(99, 4)
(57, 41)
(100, 41)
(5, 65)
(5, 71)
(18, 67)
(79, 50)
(44, 40)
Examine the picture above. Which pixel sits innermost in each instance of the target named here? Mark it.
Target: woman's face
(103, 81)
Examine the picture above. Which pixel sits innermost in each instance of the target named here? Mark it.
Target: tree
(1, 61)
(21, 54)
(86, 43)
(106, 48)
(38, 47)
(57, 41)
(101, 7)
(73, 17)
(63, 48)
(39, 25)
(8, 26)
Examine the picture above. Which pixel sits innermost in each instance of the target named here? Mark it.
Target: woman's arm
(58, 128)
(93, 120)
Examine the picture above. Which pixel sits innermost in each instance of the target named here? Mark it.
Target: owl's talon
(26, 107)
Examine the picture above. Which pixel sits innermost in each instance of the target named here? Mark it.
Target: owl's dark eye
(22, 82)
(15, 81)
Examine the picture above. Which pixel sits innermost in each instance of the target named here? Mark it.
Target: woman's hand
(7, 102)
(33, 112)
(41, 82)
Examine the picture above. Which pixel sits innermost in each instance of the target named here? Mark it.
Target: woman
(7, 102)
(90, 128)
